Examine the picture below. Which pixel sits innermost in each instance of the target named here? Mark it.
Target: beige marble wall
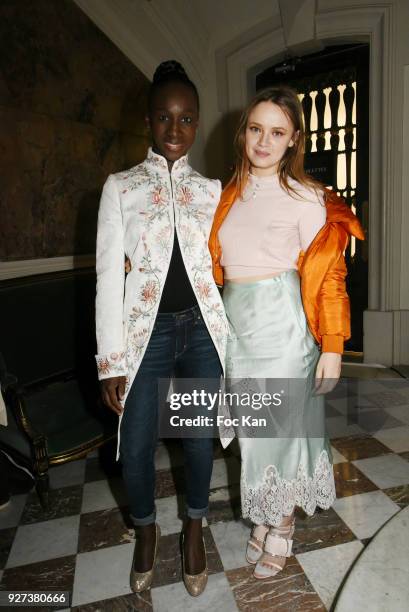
(71, 111)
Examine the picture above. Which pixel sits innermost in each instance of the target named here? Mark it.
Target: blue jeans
(180, 346)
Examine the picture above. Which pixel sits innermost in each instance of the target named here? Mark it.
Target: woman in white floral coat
(167, 320)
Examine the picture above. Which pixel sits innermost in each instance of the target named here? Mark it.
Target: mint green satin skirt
(270, 339)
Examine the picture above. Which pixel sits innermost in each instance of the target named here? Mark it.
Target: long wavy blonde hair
(291, 164)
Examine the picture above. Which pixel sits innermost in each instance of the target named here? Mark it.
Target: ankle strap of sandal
(286, 531)
(259, 532)
(278, 546)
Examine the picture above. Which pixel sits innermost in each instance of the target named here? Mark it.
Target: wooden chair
(48, 374)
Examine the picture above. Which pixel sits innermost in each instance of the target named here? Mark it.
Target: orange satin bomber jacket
(322, 269)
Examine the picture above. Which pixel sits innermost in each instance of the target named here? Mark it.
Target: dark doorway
(333, 86)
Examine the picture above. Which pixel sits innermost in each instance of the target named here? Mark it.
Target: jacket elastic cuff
(111, 365)
(331, 343)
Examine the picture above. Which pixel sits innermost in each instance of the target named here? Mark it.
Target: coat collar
(339, 212)
(158, 162)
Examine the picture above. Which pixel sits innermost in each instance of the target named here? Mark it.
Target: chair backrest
(47, 324)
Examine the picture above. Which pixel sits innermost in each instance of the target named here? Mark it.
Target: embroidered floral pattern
(204, 289)
(159, 196)
(163, 241)
(276, 496)
(187, 240)
(138, 340)
(208, 297)
(103, 366)
(184, 195)
(155, 201)
(110, 365)
(149, 292)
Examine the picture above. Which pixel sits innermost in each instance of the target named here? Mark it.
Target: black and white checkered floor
(84, 544)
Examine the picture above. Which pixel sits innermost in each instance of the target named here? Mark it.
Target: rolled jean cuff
(146, 520)
(196, 513)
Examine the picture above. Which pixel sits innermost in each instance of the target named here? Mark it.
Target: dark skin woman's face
(173, 119)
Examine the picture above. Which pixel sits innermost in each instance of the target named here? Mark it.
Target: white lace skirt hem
(274, 497)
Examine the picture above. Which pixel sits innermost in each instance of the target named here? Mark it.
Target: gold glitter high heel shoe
(141, 581)
(195, 583)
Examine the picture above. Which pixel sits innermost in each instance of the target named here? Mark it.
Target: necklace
(253, 189)
(253, 193)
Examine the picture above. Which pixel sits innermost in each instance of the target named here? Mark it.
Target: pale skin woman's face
(269, 133)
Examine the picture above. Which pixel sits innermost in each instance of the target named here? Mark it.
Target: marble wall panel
(72, 110)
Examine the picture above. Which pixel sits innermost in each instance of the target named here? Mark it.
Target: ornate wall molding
(370, 25)
(404, 296)
(114, 19)
(28, 267)
(237, 58)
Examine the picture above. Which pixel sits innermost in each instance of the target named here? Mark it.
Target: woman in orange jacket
(277, 244)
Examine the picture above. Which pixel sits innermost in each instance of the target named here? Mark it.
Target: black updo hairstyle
(170, 72)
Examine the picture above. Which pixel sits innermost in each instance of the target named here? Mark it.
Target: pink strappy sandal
(278, 543)
(255, 543)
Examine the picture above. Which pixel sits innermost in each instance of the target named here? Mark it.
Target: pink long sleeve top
(267, 228)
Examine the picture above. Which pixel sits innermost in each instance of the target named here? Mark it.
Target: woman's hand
(128, 265)
(112, 391)
(328, 372)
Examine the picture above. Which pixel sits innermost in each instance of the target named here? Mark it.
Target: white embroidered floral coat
(140, 210)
